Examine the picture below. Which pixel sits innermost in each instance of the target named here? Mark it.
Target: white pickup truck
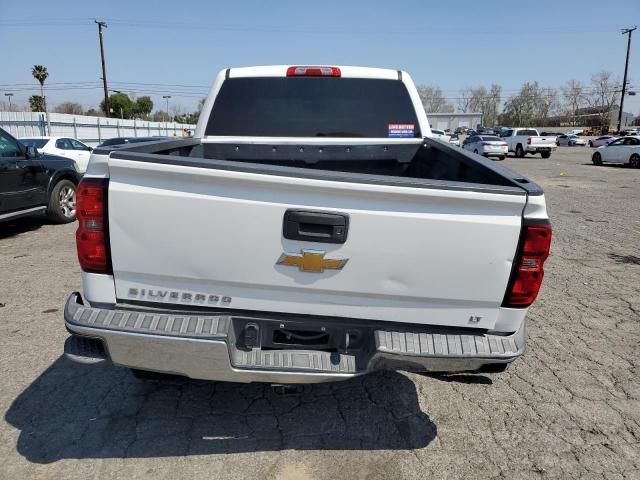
(305, 234)
(528, 140)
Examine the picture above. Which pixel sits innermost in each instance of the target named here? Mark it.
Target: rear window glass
(34, 142)
(527, 132)
(491, 139)
(313, 107)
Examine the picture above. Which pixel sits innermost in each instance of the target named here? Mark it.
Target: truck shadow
(73, 411)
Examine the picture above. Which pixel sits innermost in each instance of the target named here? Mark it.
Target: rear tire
(545, 154)
(596, 158)
(634, 161)
(62, 202)
(519, 151)
(501, 157)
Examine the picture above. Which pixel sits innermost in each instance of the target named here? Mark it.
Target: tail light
(305, 71)
(485, 143)
(527, 274)
(92, 236)
(529, 141)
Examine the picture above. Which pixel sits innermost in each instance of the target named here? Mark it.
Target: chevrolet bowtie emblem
(311, 261)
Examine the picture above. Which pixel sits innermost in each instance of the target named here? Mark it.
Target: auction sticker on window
(401, 130)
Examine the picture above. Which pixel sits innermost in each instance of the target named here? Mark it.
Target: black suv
(32, 182)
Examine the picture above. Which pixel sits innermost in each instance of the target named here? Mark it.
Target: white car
(600, 141)
(454, 140)
(440, 135)
(622, 150)
(571, 141)
(487, 146)
(63, 146)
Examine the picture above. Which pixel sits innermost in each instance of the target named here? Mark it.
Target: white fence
(90, 130)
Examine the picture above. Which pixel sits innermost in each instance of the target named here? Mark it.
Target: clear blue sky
(175, 43)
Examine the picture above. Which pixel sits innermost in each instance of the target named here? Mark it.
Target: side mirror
(31, 152)
(90, 149)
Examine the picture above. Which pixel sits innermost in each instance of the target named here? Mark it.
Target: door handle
(313, 226)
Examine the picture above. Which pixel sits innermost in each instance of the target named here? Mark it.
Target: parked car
(440, 134)
(575, 131)
(33, 182)
(470, 131)
(454, 140)
(124, 140)
(62, 146)
(459, 130)
(527, 140)
(571, 141)
(600, 141)
(259, 251)
(486, 145)
(621, 150)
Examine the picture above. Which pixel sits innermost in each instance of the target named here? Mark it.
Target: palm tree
(40, 73)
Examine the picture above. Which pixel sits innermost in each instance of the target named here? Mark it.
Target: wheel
(634, 161)
(501, 157)
(545, 154)
(597, 158)
(590, 143)
(519, 151)
(62, 202)
(476, 151)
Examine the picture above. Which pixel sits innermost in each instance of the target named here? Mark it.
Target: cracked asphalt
(570, 408)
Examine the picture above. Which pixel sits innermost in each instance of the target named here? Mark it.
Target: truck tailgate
(208, 237)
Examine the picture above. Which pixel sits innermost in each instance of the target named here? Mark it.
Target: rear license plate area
(266, 334)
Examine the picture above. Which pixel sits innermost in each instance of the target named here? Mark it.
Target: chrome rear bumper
(205, 347)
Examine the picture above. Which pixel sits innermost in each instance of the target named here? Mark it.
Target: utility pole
(167, 97)
(626, 31)
(9, 95)
(102, 25)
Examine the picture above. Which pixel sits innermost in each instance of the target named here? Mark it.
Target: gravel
(570, 408)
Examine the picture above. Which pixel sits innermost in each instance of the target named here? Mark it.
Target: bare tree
(433, 100)
(487, 102)
(69, 107)
(464, 100)
(574, 98)
(604, 91)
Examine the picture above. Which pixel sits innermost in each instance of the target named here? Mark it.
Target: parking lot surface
(569, 409)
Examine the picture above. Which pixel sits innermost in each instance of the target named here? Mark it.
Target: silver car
(571, 140)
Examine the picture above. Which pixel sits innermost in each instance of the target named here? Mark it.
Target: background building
(452, 121)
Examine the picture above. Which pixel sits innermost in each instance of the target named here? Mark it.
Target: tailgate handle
(313, 226)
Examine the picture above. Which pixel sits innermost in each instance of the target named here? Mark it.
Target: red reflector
(92, 234)
(313, 71)
(527, 277)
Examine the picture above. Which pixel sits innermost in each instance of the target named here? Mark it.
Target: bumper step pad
(444, 345)
(294, 360)
(176, 325)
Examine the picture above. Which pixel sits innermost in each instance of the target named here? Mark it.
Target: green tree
(144, 105)
(40, 73)
(120, 105)
(36, 102)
